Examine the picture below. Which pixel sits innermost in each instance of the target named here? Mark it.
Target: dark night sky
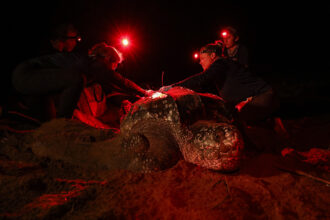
(283, 39)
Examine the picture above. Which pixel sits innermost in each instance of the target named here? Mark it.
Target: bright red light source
(224, 34)
(196, 55)
(125, 42)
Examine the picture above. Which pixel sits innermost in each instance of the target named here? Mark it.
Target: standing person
(58, 73)
(233, 49)
(253, 98)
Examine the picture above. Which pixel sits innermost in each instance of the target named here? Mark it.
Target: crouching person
(40, 79)
(107, 95)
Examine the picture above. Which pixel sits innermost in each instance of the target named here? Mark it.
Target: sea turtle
(155, 133)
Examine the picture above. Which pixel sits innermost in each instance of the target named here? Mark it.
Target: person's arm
(193, 82)
(214, 74)
(128, 84)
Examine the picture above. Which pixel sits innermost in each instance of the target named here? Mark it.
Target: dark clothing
(120, 91)
(234, 84)
(241, 55)
(227, 79)
(112, 81)
(59, 73)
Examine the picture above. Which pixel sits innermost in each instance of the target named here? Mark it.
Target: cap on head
(212, 48)
(106, 51)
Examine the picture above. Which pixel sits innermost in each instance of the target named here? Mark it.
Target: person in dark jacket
(233, 49)
(253, 98)
(55, 75)
(50, 85)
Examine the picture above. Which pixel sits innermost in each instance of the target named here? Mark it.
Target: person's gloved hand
(165, 88)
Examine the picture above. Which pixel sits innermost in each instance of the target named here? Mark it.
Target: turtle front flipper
(151, 130)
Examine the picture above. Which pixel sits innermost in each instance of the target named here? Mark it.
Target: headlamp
(224, 33)
(77, 38)
(125, 42)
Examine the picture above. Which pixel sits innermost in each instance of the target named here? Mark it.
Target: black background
(283, 39)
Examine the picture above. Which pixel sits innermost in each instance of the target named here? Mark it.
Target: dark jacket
(48, 73)
(55, 74)
(36, 72)
(228, 79)
(112, 81)
(241, 56)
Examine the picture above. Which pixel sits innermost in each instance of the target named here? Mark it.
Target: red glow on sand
(48, 201)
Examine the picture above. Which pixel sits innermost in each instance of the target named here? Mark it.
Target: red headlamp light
(125, 42)
(196, 55)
